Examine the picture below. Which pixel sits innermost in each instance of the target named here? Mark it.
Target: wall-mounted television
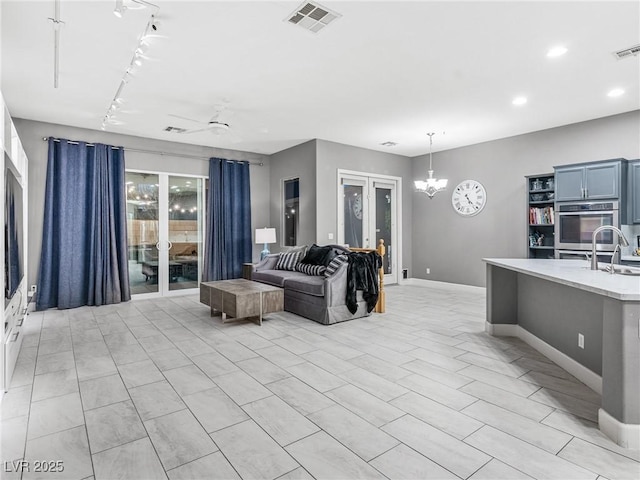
(13, 235)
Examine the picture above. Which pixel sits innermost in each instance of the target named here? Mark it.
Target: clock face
(469, 198)
(357, 207)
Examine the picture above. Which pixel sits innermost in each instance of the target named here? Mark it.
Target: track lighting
(120, 8)
(136, 60)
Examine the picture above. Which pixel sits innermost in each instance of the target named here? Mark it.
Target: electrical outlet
(580, 340)
(330, 236)
(428, 271)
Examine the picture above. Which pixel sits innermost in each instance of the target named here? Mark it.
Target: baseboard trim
(627, 435)
(443, 285)
(582, 373)
(502, 329)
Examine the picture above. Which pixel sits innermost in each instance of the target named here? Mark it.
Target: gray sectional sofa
(315, 297)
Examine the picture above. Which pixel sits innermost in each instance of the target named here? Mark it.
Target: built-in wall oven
(575, 223)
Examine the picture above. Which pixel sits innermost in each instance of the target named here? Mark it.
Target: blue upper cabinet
(592, 181)
(569, 183)
(634, 191)
(602, 180)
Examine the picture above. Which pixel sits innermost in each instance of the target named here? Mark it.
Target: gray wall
(453, 246)
(561, 316)
(298, 161)
(332, 156)
(31, 134)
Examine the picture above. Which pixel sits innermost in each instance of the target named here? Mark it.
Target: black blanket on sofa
(362, 274)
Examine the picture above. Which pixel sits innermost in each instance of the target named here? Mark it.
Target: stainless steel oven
(575, 223)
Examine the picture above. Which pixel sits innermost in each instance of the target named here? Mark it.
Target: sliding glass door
(164, 222)
(185, 227)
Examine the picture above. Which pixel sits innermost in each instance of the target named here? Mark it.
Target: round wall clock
(469, 198)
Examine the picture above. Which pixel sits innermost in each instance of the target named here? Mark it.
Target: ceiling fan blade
(196, 130)
(186, 118)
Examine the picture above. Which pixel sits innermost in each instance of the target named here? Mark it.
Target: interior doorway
(165, 232)
(369, 210)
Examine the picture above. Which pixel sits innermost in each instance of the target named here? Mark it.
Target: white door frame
(163, 234)
(369, 180)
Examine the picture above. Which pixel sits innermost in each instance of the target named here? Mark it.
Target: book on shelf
(541, 215)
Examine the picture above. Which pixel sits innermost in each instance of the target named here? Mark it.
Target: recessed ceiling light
(519, 100)
(389, 144)
(557, 51)
(616, 92)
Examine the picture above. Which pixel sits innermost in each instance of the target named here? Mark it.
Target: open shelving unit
(540, 203)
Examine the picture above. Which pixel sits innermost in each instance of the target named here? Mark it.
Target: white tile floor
(158, 388)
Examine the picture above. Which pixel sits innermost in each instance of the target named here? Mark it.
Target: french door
(368, 210)
(165, 232)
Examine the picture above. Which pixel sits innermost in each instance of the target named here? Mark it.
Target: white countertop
(574, 273)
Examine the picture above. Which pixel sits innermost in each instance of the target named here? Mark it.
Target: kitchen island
(587, 321)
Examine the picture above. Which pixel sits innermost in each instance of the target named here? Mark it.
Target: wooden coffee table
(241, 299)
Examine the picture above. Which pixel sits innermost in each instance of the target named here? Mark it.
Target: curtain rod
(126, 149)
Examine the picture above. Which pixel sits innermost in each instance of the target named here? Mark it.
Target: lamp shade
(265, 235)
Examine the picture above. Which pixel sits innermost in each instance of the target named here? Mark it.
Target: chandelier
(431, 185)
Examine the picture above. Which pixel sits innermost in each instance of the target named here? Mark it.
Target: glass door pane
(384, 210)
(142, 231)
(185, 225)
(354, 219)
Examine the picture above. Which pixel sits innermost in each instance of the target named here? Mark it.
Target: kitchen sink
(622, 270)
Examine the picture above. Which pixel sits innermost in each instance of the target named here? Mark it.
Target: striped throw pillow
(310, 269)
(288, 261)
(335, 264)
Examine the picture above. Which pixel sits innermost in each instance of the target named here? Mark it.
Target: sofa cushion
(316, 255)
(310, 269)
(275, 277)
(311, 285)
(288, 261)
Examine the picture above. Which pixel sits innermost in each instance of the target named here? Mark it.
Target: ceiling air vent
(175, 129)
(627, 52)
(312, 16)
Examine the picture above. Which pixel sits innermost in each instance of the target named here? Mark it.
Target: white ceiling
(384, 71)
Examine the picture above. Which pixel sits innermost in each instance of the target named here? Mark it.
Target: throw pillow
(316, 255)
(300, 248)
(288, 261)
(310, 269)
(331, 254)
(335, 265)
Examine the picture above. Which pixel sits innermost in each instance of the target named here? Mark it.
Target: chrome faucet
(612, 269)
(621, 241)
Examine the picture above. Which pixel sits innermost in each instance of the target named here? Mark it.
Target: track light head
(120, 8)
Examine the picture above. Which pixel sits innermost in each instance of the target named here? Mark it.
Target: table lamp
(265, 235)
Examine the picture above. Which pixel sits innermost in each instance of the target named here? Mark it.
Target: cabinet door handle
(15, 337)
(19, 322)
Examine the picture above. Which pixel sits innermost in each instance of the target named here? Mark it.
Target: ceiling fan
(214, 125)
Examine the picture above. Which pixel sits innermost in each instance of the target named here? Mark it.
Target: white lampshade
(265, 235)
